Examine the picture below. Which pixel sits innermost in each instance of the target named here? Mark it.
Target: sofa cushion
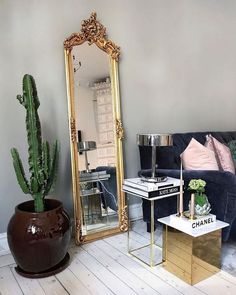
(197, 157)
(232, 147)
(181, 141)
(222, 153)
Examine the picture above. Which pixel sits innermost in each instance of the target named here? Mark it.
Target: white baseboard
(4, 248)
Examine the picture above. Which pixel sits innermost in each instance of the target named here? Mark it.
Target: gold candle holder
(192, 206)
(180, 199)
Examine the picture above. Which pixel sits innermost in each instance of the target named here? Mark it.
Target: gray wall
(177, 73)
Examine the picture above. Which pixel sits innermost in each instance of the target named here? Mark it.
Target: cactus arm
(31, 102)
(34, 186)
(46, 158)
(19, 170)
(53, 167)
(21, 100)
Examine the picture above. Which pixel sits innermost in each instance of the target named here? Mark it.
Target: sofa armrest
(220, 190)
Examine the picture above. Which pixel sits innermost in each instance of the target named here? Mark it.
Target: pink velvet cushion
(222, 153)
(197, 157)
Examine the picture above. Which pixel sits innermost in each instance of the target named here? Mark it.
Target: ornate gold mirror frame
(94, 32)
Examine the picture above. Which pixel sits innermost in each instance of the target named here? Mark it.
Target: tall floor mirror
(96, 132)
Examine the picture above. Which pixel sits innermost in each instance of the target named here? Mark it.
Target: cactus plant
(42, 166)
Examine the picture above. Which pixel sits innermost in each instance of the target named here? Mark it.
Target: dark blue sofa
(220, 188)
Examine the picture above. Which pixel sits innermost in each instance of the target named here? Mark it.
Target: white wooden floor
(103, 267)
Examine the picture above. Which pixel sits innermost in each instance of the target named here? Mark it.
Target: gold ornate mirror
(96, 132)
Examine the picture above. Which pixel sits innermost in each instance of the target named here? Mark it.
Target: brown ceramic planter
(39, 241)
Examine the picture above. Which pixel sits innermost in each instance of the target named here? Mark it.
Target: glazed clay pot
(39, 241)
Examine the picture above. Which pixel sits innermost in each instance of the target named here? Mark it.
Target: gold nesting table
(191, 254)
(155, 255)
(149, 253)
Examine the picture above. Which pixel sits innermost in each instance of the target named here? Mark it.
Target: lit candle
(192, 205)
(181, 209)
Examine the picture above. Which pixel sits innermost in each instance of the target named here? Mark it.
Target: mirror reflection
(96, 138)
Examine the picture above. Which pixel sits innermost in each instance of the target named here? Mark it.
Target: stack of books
(145, 189)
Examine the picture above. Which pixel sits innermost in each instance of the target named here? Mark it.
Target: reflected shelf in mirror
(97, 215)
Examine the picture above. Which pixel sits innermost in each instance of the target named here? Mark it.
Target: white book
(161, 193)
(145, 186)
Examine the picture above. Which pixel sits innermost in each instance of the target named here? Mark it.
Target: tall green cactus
(42, 166)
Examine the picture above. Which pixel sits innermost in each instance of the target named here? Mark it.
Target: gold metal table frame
(152, 245)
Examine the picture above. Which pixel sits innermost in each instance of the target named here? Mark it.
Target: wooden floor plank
(52, 286)
(104, 268)
(177, 283)
(8, 283)
(130, 279)
(71, 283)
(92, 283)
(120, 247)
(226, 276)
(28, 286)
(216, 286)
(137, 269)
(6, 260)
(112, 282)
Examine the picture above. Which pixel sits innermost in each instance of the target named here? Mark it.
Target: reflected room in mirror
(95, 122)
(96, 132)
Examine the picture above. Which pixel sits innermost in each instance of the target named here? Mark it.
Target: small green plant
(197, 186)
(42, 167)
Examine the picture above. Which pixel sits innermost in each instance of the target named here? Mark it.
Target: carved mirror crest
(96, 132)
